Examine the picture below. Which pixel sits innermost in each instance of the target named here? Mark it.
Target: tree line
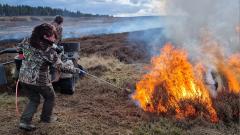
(24, 10)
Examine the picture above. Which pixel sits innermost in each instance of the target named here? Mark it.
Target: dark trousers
(34, 94)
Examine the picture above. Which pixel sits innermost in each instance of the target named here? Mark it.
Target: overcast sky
(110, 7)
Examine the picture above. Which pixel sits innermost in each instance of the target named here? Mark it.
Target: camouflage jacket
(35, 66)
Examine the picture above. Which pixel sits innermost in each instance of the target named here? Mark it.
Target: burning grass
(174, 87)
(171, 82)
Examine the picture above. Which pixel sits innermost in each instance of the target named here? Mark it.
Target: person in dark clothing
(57, 23)
(34, 74)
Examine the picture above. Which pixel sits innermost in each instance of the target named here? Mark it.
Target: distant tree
(24, 10)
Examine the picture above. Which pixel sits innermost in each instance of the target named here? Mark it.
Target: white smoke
(219, 17)
(207, 29)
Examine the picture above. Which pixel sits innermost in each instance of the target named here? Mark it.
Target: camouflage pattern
(59, 30)
(35, 66)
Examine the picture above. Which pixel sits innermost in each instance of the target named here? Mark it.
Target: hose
(16, 99)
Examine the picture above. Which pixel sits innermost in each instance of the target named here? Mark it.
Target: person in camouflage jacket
(34, 74)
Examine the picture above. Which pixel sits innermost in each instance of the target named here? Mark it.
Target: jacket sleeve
(54, 59)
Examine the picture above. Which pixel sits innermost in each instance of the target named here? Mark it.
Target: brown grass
(26, 18)
(97, 108)
(112, 70)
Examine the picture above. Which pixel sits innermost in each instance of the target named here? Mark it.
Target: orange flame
(234, 62)
(171, 82)
(228, 68)
(232, 73)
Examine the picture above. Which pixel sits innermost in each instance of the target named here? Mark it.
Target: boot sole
(26, 129)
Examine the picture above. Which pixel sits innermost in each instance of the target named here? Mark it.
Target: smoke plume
(201, 25)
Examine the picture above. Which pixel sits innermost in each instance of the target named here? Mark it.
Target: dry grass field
(97, 108)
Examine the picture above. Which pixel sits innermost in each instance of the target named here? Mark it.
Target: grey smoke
(154, 37)
(117, 25)
(75, 28)
(219, 17)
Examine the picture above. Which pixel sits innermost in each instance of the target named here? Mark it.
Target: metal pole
(95, 77)
(9, 62)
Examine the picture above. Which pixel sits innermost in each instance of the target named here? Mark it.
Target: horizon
(116, 8)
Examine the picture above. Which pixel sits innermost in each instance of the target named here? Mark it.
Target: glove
(82, 72)
(58, 49)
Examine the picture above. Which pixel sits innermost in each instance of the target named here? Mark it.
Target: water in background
(74, 28)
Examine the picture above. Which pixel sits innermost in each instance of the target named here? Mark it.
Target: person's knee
(50, 96)
(35, 100)
(50, 100)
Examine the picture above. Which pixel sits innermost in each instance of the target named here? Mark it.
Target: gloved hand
(58, 48)
(82, 72)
